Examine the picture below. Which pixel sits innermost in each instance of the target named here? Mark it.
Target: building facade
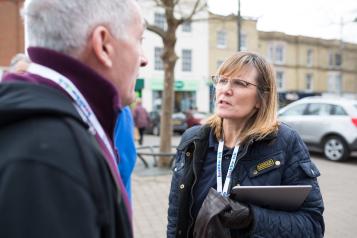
(12, 31)
(304, 65)
(191, 71)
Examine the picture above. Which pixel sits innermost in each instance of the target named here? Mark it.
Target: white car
(326, 124)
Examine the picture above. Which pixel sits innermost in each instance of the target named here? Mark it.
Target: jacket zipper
(193, 185)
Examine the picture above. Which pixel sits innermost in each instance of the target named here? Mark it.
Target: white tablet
(286, 198)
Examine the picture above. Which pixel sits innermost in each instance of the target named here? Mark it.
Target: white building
(191, 72)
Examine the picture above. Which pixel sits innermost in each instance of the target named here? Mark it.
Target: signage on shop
(180, 85)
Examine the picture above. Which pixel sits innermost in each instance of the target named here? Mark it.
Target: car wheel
(335, 148)
(156, 131)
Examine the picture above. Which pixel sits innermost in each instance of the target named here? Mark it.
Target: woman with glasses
(242, 144)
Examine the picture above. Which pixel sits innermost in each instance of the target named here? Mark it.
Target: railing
(153, 151)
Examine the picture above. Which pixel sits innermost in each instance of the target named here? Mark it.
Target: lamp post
(341, 51)
(238, 27)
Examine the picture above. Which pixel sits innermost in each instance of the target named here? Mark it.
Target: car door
(317, 120)
(293, 116)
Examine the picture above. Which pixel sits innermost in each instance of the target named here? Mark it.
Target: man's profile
(58, 171)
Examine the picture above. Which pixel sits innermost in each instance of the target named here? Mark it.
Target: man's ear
(102, 43)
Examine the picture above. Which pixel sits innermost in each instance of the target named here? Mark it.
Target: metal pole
(238, 28)
(340, 81)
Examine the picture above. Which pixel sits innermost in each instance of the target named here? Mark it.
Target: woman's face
(236, 95)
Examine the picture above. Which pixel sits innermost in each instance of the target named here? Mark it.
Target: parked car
(196, 118)
(178, 122)
(326, 124)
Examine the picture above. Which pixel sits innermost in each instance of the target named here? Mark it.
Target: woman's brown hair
(264, 121)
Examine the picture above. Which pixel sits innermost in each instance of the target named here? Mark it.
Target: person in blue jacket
(125, 145)
(242, 144)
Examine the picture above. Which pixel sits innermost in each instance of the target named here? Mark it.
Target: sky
(315, 18)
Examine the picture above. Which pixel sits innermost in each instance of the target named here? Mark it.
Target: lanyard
(80, 102)
(224, 191)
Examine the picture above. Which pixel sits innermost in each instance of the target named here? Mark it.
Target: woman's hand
(236, 216)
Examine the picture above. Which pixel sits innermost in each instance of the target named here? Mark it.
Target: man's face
(129, 58)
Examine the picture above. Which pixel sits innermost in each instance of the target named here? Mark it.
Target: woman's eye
(223, 81)
(240, 83)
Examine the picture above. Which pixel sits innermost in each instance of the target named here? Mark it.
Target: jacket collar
(21, 100)
(98, 91)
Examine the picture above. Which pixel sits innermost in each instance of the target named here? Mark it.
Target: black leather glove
(236, 216)
(208, 224)
(219, 214)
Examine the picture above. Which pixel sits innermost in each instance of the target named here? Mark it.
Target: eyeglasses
(221, 81)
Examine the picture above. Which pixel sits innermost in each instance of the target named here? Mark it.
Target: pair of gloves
(219, 214)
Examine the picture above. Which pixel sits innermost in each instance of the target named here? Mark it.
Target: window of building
(308, 82)
(221, 39)
(279, 54)
(338, 59)
(158, 63)
(243, 41)
(186, 26)
(309, 57)
(280, 80)
(276, 53)
(160, 20)
(186, 60)
(334, 59)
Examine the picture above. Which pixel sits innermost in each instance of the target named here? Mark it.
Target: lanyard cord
(224, 191)
(80, 102)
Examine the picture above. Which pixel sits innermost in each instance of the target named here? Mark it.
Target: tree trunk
(169, 58)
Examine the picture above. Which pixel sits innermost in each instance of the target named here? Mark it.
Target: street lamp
(341, 52)
(238, 27)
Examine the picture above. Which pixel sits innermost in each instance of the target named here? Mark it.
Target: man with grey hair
(58, 167)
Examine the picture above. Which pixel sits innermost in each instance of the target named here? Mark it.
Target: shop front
(185, 94)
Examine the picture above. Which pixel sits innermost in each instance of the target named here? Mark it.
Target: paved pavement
(151, 188)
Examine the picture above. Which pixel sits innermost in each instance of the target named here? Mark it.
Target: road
(151, 187)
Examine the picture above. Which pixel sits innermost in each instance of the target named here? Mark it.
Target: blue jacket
(125, 144)
(294, 167)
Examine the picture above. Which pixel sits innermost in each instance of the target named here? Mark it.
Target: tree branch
(157, 30)
(197, 8)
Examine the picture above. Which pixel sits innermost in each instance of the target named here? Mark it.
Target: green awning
(180, 85)
(139, 84)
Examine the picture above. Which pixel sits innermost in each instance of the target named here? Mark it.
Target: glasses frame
(215, 79)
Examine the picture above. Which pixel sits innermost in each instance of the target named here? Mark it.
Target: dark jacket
(54, 181)
(294, 167)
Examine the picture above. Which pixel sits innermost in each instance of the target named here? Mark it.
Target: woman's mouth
(223, 102)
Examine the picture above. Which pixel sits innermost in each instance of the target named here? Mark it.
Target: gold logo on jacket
(265, 165)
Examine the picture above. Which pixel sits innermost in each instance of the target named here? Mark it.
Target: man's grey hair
(65, 25)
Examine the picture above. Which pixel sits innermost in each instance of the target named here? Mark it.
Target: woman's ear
(102, 43)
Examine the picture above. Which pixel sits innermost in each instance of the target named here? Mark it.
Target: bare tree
(176, 12)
